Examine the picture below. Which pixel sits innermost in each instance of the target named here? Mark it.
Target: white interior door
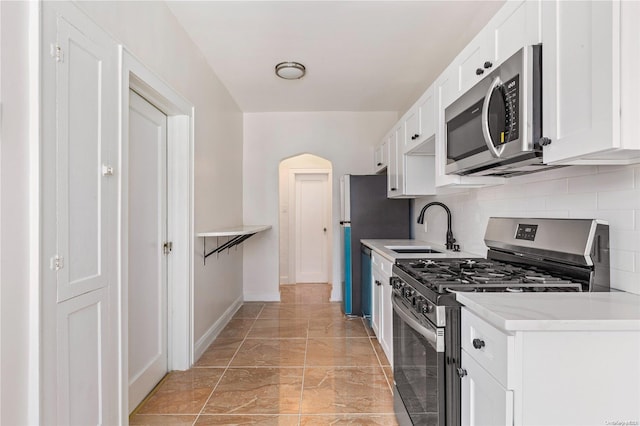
(147, 263)
(79, 375)
(311, 204)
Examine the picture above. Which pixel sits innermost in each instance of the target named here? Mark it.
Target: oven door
(418, 368)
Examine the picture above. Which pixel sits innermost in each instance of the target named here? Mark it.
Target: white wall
(605, 192)
(18, 276)
(347, 139)
(151, 32)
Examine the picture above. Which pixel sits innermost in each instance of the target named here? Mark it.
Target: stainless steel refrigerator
(366, 213)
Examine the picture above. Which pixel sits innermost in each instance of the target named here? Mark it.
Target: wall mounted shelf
(236, 234)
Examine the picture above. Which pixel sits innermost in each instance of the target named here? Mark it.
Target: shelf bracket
(229, 244)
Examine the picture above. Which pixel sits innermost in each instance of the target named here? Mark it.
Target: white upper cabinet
(591, 64)
(393, 180)
(514, 26)
(381, 157)
(408, 176)
(419, 125)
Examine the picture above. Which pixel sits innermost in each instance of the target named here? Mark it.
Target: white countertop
(380, 246)
(556, 311)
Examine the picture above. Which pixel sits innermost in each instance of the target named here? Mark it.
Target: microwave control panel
(512, 113)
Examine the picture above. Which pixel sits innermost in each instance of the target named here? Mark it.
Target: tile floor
(298, 362)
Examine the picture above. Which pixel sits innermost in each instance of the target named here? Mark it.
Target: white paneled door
(311, 205)
(80, 177)
(147, 263)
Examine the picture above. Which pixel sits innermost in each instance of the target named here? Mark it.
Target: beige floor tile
(341, 351)
(237, 328)
(234, 420)
(349, 420)
(324, 310)
(368, 329)
(332, 327)
(249, 310)
(388, 372)
(284, 311)
(346, 390)
(159, 419)
(305, 293)
(272, 328)
(379, 351)
(219, 353)
(183, 392)
(271, 352)
(257, 391)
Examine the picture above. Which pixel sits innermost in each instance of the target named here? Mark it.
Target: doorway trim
(292, 220)
(180, 206)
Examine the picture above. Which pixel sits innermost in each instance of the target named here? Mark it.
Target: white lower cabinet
(484, 400)
(381, 311)
(542, 376)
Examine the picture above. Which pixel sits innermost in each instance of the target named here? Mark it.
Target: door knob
(324, 229)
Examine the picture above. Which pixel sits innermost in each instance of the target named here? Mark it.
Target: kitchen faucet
(450, 240)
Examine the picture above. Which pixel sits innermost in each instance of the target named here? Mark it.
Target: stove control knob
(427, 308)
(397, 283)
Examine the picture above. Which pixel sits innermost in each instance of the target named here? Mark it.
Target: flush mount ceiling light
(290, 70)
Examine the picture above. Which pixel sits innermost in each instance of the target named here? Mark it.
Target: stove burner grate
(446, 275)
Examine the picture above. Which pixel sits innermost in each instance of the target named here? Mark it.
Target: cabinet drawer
(487, 345)
(381, 263)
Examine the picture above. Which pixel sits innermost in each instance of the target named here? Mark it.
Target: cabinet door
(376, 296)
(392, 168)
(420, 125)
(411, 129)
(399, 135)
(516, 25)
(581, 71)
(378, 164)
(484, 402)
(470, 62)
(427, 115)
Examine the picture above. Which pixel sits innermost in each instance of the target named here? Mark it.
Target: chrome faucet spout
(450, 240)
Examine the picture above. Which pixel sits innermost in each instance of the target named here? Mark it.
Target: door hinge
(57, 53)
(57, 263)
(107, 170)
(167, 247)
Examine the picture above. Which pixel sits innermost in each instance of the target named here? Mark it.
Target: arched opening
(306, 235)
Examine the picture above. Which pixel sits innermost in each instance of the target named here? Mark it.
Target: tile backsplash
(611, 193)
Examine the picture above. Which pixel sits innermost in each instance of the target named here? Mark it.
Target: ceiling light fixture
(290, 70)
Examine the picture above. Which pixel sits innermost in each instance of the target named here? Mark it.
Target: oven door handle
(429, 333)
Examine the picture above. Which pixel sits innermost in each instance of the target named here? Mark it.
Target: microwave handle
(495, 152)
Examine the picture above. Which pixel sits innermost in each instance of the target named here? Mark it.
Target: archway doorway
(306, 235)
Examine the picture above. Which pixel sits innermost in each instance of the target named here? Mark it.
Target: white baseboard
(262, 297)
(203, 343)
(284, 279)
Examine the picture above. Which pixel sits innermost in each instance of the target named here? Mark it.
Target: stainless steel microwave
(494, 129)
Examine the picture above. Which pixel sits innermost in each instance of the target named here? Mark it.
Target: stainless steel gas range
(524, 255)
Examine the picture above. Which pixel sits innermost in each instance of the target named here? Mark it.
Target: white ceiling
(360, 55)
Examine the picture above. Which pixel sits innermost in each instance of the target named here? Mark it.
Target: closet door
(80, 321)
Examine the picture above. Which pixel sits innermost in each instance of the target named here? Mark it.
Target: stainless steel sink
(412, 249)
